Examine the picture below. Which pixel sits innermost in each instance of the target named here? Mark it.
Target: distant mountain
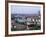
(25, 14)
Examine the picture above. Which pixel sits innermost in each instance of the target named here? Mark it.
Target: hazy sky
(16, 9)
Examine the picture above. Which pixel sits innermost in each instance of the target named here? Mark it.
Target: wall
(2, 19)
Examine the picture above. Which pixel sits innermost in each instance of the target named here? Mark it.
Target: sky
(17, 9)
